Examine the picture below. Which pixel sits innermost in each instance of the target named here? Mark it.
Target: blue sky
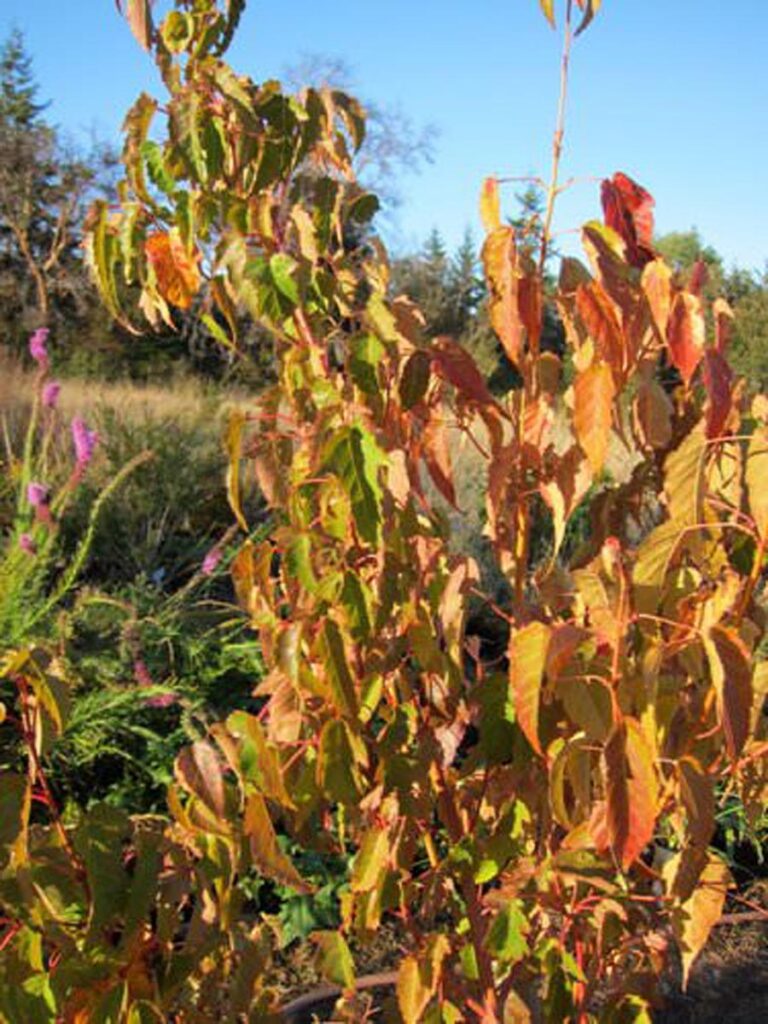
(672, 92)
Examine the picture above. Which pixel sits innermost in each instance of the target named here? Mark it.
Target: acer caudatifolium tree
(540, 826)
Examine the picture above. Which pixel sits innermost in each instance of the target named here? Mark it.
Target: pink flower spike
(51, 394)
(37, 494)
(210, 561)
(141, 673)
(37, 347)
(163, 700)
(85, 441)
(27, 544)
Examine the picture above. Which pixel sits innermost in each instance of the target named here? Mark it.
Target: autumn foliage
(539, 825)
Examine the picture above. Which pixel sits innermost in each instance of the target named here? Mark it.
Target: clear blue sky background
(673, 92)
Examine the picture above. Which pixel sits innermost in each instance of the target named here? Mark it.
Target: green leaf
(298, 561)
(283, 270)
(159, 175)
(338, 758)
(506, 936)
(334, 959)
(366, 352)
(100, 841)
(415, 378)
(354, 599)
(259, 760)
(355, 458)
(371, 861)
(15, 802)
(337, 670)
(177, 31)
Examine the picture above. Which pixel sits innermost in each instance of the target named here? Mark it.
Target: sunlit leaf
(266, 853)
(490, 212)
(418, 978)
(694, 920)
(198, 770)
(757, 479)
(527, 660)
(686, 334)
(334, 959)
(176, 270)
(594, 392)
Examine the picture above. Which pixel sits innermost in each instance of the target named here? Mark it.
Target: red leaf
(628, 209)
(717, 381)
(456, 366)
(686, 334)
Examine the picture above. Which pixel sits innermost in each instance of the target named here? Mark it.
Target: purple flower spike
(210, 561)
(51, 394)
(85, 442)
(27, 544)
(37, 347)
(37, 494)
(141, 673)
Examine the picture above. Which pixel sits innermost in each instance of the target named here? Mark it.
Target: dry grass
(182, 399)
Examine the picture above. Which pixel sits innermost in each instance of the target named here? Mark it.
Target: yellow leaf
(417, 979)
(234, 445)
(527, 659)
(267, 855)
(548, 7)
(757, 479)
(490, 211)
(594, 392)
(694, 920)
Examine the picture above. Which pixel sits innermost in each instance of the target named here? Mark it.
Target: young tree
(43, 188)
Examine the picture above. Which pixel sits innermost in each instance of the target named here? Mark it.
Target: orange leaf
(501, 269)
(729, 664)
(178, 278)
(631, 791)
(657, 285)
(599, 317)
(527, 659)
(490, 212)
(437, 456)
(594, 393)
(686, 334)
(265, 851)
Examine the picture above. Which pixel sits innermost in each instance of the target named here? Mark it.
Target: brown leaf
(594, 392)
(686, 334)
(698, 797)
(653, 414)
(729, 664)
(198, 770)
